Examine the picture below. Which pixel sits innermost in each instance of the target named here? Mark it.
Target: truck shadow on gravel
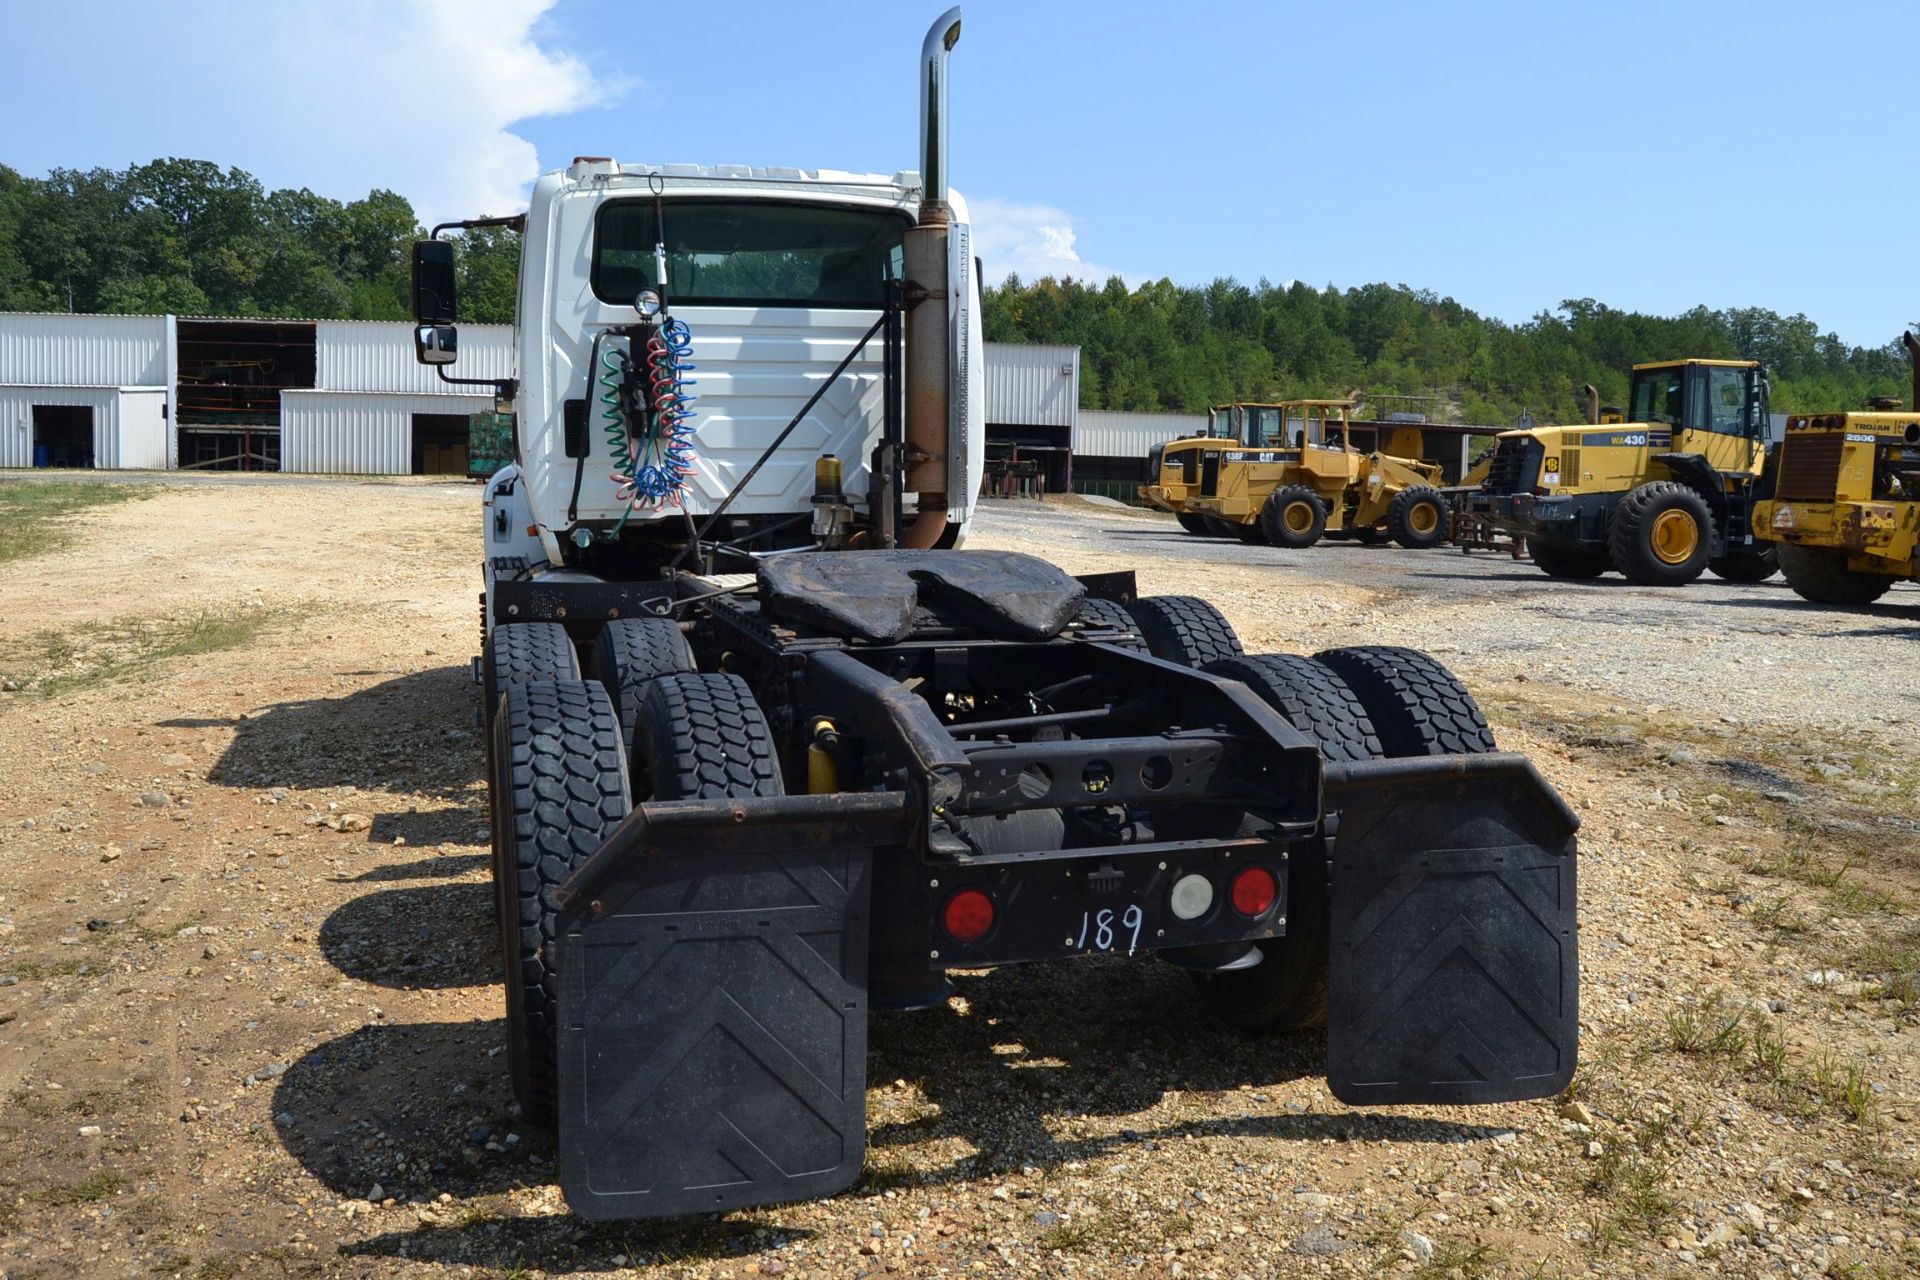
(415, 938)
(425, 1108)
(411, 735)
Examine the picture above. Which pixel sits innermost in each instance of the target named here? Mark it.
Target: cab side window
(1727, 401)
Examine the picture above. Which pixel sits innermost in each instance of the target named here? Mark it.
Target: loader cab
(1717, 408)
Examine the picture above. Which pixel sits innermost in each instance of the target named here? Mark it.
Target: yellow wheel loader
(1659, 493)
(1296, 477)
(1845, 512)
(1179, 468)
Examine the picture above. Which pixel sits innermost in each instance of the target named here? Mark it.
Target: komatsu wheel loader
(769, 752)
(1845, 513)
(1659, 493)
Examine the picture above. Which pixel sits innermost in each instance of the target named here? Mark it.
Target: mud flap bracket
(713, 1005)
(1455, 956)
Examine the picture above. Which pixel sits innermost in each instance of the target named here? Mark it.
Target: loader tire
(703, 737)
(628, 653)
(1820, 574)
(1184, 629)
(1659, 534)
(1558, 562)
(560, 784)
(1418, 707)
(1193, 524)
(1251, 533)
(1417, 518)
(1219, 527)
(1293, 517)
(1371, 536)
(521, 653)
(1287, 990)
(1746, 566)
(1112, 615)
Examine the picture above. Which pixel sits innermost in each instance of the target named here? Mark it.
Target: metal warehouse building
(154, 392)
(1039, 439)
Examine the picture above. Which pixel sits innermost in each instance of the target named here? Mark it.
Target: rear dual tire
(1358, 703)
(559, 788)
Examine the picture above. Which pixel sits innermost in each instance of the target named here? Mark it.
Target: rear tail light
(1192, 896)
(968, 915)
(1254, 891)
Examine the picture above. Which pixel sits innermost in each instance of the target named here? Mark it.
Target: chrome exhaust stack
(929, 358)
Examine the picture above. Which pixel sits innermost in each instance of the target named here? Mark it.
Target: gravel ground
(249, 1023)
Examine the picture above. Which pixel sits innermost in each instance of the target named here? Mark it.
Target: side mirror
(434, 285)
(436, 343)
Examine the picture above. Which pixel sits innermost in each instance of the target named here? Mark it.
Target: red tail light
(968, 915)
(1254, 891)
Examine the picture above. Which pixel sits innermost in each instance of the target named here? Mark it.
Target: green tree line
(1171, 347)
(188, 237)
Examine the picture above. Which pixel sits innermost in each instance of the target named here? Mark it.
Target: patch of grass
(35, 518)
(888, 1173)
(1071, 1237)
(35, 970)
(1630, 1177)
(1709, 1029)
(1457, 1261)
(89, 1190)
(1844, 1087)
(59, 662)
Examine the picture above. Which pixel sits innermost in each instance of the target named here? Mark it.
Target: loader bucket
(713, 1005)
(1455, 964)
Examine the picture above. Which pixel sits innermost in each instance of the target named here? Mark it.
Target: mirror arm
(507, 387)
(518, 222)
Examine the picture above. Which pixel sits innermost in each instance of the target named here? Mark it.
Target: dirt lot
(249, 1023)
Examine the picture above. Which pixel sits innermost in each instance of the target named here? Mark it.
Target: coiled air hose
(648, 420)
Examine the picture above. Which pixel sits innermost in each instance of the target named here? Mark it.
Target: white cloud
(419, 97)
(1033, 240)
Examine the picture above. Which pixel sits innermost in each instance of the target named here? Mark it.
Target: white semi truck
(768, 750)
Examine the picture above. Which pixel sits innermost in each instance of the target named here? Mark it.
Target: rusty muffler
(1592, 394)
(929, 358)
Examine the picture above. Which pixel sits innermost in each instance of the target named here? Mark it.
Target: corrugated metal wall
(1030, 385)
(83, 351)
(348, 433)
(16, 420)
(1104, 434)
(358, 355)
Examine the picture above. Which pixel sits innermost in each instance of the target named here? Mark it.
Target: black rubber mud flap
(713, 1006)
(1455, 975)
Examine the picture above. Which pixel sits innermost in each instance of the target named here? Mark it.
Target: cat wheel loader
(1292, 476)
(1845, 512)
(769, 752)
(1659, 493)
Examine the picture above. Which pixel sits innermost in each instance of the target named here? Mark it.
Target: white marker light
(1192, 897)
(647, 304)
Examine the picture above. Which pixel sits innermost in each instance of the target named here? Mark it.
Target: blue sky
(1653, 156)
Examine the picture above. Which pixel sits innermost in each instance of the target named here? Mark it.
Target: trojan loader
(769, 751)
(1659, 496)
(1845, 513)
(1296, 477)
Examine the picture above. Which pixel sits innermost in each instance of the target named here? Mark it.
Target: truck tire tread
(1418, 707)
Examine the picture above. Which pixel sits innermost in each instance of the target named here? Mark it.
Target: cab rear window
(750, 252)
